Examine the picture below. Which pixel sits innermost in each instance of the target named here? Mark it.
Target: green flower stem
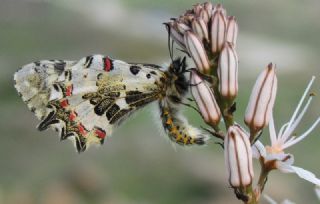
(263, 175)
(252, 199)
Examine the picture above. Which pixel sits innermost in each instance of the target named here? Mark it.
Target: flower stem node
(261, 101)
(238, 157)
(205, 100)
(228, 72)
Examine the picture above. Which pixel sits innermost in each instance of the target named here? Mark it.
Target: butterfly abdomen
(178, 129)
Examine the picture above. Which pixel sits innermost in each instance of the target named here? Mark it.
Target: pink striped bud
(197, 52)
(196, 9)
(238, 157)
(228, 72)
(219, 7)
(205, 100)
(175, 34)
(218, 30)
(232, 30)
(188, 18)
(204, 15)
(261, 100)
(200, 28)
(208, 7)
(182, 28)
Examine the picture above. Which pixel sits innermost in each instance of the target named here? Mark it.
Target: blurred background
(138, 165)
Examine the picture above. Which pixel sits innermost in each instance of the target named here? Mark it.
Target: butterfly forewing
(84, 100)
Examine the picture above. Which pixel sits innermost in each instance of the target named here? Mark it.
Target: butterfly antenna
(170, 42)
(190, 106)
(190, 99)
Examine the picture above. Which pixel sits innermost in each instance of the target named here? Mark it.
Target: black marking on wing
(49, 120)
(138, 99)
(88, 61)
(112, 94)
(112, 111)
(81, 144)
(133, 96)
(94, 98)
(135, 69)
(56, 87)
(151, 65)
(145, 100)
(59, 66)
(37, 63)
(119, 115)
(68, 75)
(104, 105)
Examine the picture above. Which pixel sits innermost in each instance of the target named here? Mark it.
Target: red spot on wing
(73, 116)
(107, 64)
(64, 103)
(82, 129)
(100, 133)
(69, 90)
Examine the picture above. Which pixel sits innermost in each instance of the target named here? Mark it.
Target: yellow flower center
(275, 149)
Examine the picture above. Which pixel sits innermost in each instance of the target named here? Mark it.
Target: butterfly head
(176, 71)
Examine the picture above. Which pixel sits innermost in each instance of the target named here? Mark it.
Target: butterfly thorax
(176, 84)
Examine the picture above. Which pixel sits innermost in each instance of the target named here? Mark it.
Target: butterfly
(85, 100)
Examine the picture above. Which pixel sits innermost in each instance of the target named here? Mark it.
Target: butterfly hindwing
(85, 99)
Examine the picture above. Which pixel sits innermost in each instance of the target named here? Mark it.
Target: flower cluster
(209, 37)
(207, 34)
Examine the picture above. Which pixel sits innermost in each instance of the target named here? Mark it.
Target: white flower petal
(293, 126)
(258, 150)
(272, 130)
(301, 137)
(302, 173)
(282, 158)
(301, 101)
(286, 201)
(306, 175)
(282, 129)
(317, 189)
(269, 199)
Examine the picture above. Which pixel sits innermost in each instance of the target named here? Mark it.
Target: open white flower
(274, 156)
(271, 201)
(317, 190)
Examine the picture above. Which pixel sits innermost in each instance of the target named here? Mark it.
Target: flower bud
(232, 30)
(175, 35)
(219, 7)
(238, 157)
(196, 9)
(228, 72)
(204, 15)
(197, 51)
(218, 29)
(182, 28)
(200, 28)
(188, 18)
(205, 100)
(261, 100)
(208, 7)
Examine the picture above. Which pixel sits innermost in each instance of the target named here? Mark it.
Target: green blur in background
(138, 165)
